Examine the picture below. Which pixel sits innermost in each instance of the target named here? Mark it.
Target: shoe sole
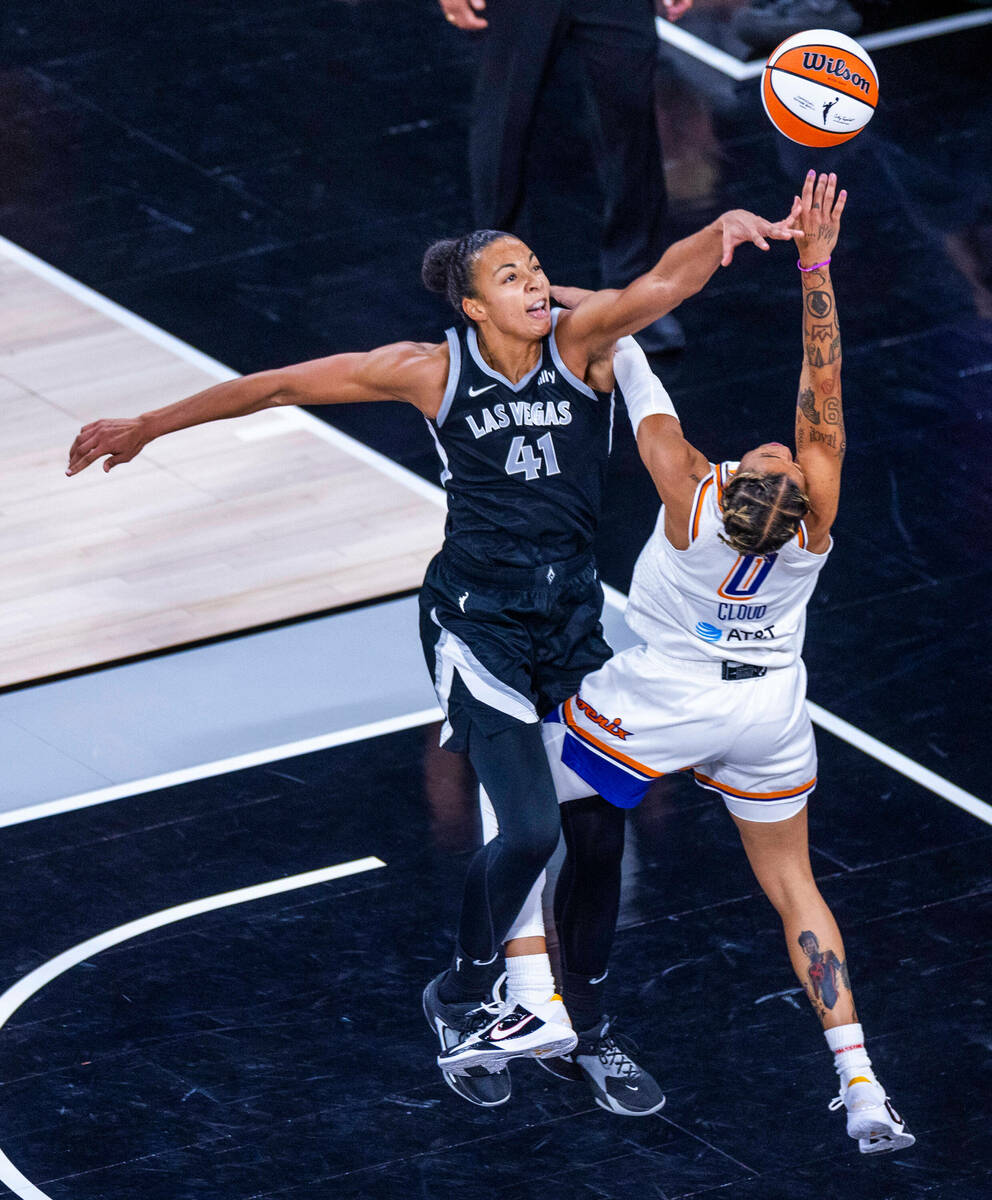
(561, 1068)
(450, 1076)
(495, 1060)
(620, 1111)
(881, 1139)
(449, 1079)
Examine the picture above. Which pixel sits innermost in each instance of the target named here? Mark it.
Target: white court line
(840, 728)
(616, 599)
(220, 766)
(899, 762)
(722, 61)
(25, 988)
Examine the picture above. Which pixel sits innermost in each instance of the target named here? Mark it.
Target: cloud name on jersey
(521, 412)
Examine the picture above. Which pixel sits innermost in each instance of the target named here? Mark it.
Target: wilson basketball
(819, 88)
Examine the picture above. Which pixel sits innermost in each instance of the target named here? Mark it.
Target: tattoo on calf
(825, 972)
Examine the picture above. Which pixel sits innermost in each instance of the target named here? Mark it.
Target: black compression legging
(587, 896)
(513, 768)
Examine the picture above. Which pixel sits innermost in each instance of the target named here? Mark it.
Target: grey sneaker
(618, 1084)
(765, 23)
(452, 1023)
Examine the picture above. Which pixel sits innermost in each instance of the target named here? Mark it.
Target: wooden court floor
(220, 528)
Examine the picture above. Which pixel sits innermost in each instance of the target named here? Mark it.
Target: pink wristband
(799, 264)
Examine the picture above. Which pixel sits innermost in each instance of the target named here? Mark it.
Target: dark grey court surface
(261, 181)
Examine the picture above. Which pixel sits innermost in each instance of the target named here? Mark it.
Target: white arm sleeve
(643, 391)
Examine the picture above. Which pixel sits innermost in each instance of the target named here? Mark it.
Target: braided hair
(761, 512)
(449, 266)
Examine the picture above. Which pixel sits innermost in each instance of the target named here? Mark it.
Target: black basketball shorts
(508, 645)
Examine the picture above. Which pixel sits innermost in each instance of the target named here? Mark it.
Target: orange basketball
(819, 88)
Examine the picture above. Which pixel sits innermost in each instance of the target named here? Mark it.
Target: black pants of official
(617, 44)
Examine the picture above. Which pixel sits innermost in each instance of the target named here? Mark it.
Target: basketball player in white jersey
(719, 596)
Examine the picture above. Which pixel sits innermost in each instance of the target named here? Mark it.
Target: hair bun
(436, 268)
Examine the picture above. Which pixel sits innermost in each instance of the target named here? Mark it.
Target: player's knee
(534, 840)
(790, 891)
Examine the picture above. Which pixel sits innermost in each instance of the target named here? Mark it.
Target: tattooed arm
(820, 441)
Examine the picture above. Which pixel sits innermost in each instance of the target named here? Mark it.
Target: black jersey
(524, 464)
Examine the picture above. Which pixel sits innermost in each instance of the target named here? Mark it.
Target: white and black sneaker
(618, 1084)
(452, 1023)
(515, 1030)
(871, 1120)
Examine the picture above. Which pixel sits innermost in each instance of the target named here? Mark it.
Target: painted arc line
(432, 492)
(737, 70)
(25, 988)
(221, 766)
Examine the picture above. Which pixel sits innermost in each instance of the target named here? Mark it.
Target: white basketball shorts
(643, 715)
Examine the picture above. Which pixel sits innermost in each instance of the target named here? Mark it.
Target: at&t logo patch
(709, 633)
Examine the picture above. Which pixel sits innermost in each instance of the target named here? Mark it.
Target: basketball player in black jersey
(519, 402)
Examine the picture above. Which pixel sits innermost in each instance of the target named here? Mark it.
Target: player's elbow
(280, 389)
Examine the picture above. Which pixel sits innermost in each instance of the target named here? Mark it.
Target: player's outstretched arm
(405, 371)
(681, 271)
(820, 438)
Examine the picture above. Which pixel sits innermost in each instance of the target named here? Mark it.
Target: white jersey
(708, 602)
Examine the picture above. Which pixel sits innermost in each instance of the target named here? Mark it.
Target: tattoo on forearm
(819, 304)
(819, 399)
(807, 406)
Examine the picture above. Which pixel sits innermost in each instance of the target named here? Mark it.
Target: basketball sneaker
(871, 1119)
(453, 1022)
(514, 1030)
(618, 1084)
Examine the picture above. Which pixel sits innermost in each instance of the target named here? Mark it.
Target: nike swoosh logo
(498, 1035)
(478, 391)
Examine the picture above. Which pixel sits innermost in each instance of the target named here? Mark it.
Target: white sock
(851, 1061)
(529, 979)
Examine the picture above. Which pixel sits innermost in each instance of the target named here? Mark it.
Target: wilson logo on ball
(815, 62)
(819, 88)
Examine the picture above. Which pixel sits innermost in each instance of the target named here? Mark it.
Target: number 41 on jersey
(521, 459)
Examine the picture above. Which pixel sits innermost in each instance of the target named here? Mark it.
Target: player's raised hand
(820, 209)
(739, 226)
(116, 440)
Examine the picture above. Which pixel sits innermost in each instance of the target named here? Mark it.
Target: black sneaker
(453, 1022)
(765, 23)
(618, 1084)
